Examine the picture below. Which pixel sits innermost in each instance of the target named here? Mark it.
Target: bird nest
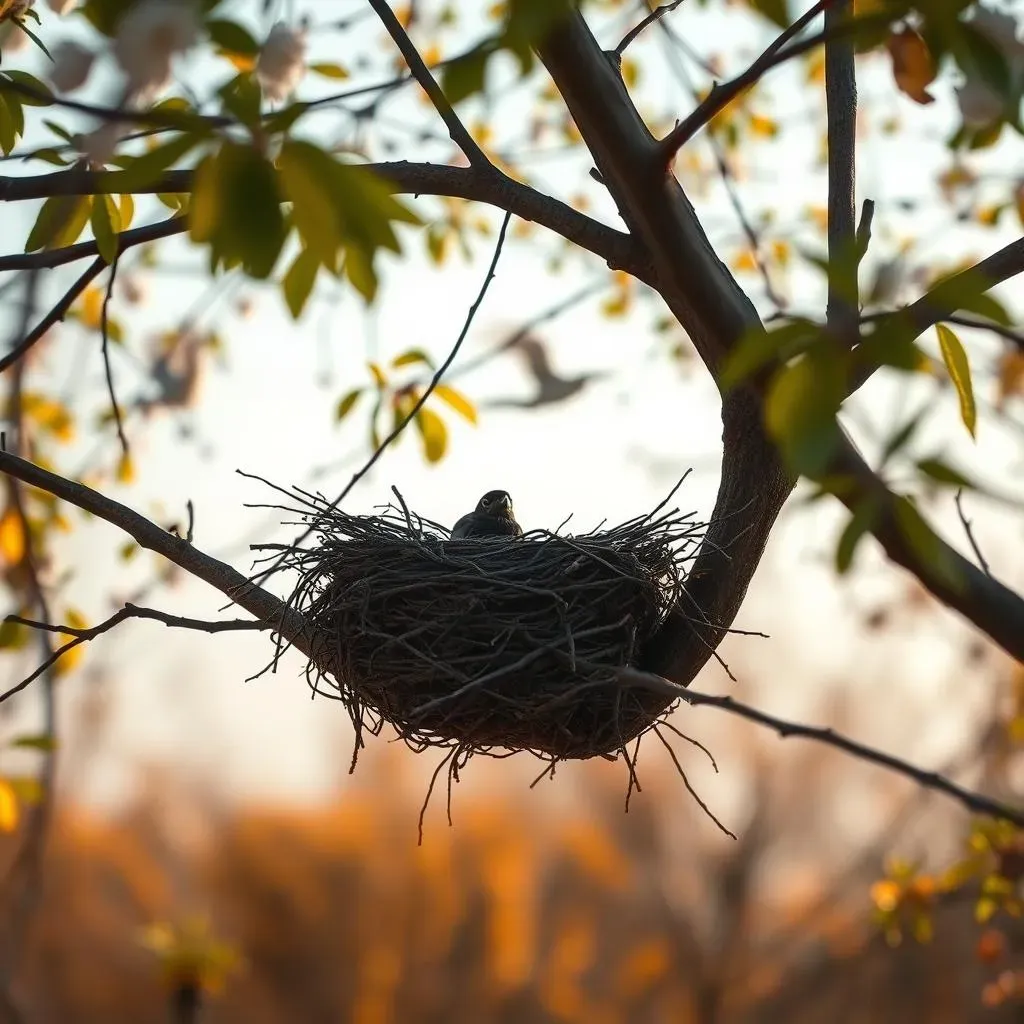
(491, 645)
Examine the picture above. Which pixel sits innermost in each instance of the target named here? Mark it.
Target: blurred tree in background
(142, 120)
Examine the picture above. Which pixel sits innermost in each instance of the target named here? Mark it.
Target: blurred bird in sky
(492, 517)
(551, 387)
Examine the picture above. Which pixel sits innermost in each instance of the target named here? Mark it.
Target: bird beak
(505, 502)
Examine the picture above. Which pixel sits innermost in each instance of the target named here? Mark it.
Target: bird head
(496, 503)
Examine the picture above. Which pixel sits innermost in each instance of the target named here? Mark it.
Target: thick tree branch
(489, 186)
(709, 304)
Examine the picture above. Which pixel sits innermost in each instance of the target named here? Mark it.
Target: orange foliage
(515, 914)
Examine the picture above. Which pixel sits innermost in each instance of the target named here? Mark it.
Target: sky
(612, 453)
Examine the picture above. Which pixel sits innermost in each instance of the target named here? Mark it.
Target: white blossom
(71, 66)
(282, 61)
(99, 145)
(148, 37)
(61, 7)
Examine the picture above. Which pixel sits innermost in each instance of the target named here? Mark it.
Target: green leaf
(35, 39)
(955, 358)
(942, 473)
(433, 433)
(989, 307)
(8, 135)
(863, 520)
(900, 438)
(142, 171)
(243, 98)
(13, 635)
(925, 544)
(39, 93)
(465, 75)
(410, 357)
(229, 35)
(236, 208)
(299, 281)
(979, 57)
(335, 71)
(347, 404)
(60, 222)
(106, 223)
(34, 741)
(800, 410)
(758, 348)
(307, 181)
(458, 401)
(776, 11)
(126, 211)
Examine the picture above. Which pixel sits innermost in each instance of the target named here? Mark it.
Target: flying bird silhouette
(492, 517)
(551, 387)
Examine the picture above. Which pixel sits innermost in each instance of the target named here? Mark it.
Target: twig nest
(488, 644)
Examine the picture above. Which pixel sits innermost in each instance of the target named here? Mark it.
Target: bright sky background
(611, 453)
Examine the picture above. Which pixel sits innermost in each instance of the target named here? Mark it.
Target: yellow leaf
(432, 55)
(959, 369)
(1018, 201)
(816, 67)
(242, 61)
(744, 260)
(630, 71)
(68, 662)
(765, 127)
(912, 65)
(989, 215)
(92, 307)
(8, 807)
(458, 401)
(781, 252)
(379, 376)
(12, 537)
(125, 469)
(433, 433)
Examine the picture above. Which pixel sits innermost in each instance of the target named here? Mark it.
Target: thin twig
(970, 535)
(656, 15)
(55, 315)
(929, 780)
(81, 635)
(427, 391)
(107, 369)
(456, 129)
(778, 53)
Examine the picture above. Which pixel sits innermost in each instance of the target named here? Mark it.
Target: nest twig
(488, 646)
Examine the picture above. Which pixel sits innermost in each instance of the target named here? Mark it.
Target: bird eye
(486, 502)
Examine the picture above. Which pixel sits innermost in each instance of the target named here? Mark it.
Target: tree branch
(929, 780)
(778, 53)
(50, 258)
(456, 129)
(841, 117)
(55, 315)
(261, 604)
(489, 186)
(709, 304)
(129, 611)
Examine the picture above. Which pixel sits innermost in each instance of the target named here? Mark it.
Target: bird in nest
(492, 517)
